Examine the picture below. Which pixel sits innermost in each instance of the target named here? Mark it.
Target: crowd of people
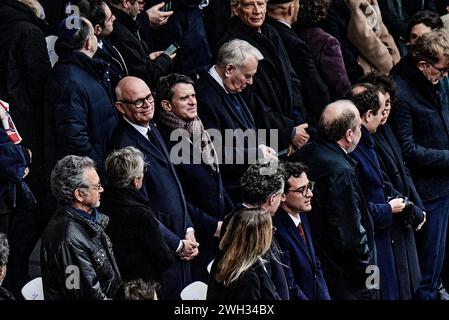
(278, 150)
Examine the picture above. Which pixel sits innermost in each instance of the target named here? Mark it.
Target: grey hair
(4, 249)
(123, 166)
(68, 175)
(236, 52)
(236, 2)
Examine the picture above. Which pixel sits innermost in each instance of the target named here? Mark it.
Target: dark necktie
(238, 108)
(301, 232)
(152, 138)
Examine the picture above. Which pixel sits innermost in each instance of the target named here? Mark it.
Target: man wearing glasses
(420, 120)
(77, 260)
(161, 184)
(293, 234)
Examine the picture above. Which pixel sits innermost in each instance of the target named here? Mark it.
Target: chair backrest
(195, 291)
(51, 49)
(33, 290)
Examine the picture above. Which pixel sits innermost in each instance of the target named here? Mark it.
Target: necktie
(152, 138)
(301, 232)
(238, 108)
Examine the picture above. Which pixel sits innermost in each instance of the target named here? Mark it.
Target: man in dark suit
(221, 107)
(161, 184)
(340, 221)
(282, 14)
(274, 99)
(420, 120)
(293, 234)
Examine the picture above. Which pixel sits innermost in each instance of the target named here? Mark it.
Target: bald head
(338, 120)
(135, 101)
(129, 86)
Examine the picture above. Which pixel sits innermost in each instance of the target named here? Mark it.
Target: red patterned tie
(301, 232)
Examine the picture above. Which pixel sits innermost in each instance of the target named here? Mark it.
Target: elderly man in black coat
(282, 14)
(274, 98)
(340, 218)
(221, 107)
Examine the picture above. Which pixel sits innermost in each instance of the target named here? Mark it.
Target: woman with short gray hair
(139, 248)
(4, 252)
(124, 167)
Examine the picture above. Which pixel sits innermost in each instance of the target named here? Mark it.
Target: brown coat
(370, 36)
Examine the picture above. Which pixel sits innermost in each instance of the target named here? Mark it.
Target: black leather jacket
(76, 258)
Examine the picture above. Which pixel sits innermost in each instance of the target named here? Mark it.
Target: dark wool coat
(139, 248)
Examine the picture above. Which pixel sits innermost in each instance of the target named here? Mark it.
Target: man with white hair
(221, 107)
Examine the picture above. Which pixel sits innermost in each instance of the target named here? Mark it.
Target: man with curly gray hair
(77, 261)
(4, 253)
(262, 187)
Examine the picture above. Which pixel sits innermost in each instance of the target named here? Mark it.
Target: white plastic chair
(195, 291)
(33, 290)
(51, 49)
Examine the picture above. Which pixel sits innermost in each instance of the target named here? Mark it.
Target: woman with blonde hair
(241, 273)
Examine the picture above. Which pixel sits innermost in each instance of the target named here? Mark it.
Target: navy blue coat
(420, 120)
(81, 100)
(13, 162)
(163, 190)
(303, 268)
(373, 186)
(215, 108)
(211, 199)
(397, 178)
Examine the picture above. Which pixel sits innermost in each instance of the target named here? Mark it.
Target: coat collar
(283, 217)
(125, 19)
(408, 70)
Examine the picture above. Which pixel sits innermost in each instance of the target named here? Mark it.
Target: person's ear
(97, 30)
(166, 105)
(235, 9)
(120, 107)
(2, 273)
(421, 65)
(228, 69)
(283, 197)
(78, 194)
(348, 135)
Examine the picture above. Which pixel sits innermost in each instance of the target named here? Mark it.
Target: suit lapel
(228, 103)
(294, 234)
(144, 143)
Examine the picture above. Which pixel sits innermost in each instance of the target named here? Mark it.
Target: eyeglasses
(303, 190)
(95, 186)
(139, 103)
(442, 71)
